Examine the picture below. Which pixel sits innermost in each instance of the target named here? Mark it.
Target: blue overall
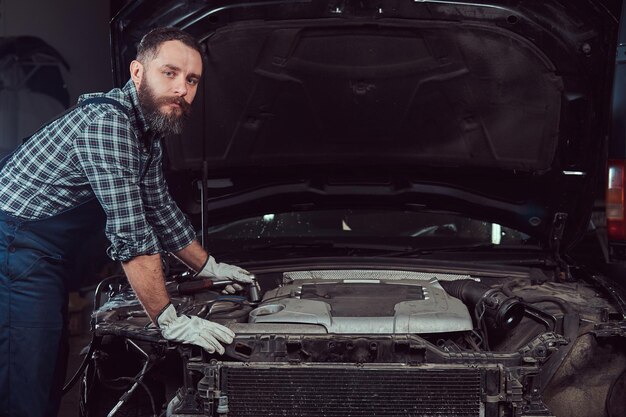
(35, 261)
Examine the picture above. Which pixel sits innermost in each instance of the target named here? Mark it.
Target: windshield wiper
(326, 244)
(461, 248)
(372, 249)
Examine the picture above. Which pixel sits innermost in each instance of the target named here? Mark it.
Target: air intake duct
(499, 310)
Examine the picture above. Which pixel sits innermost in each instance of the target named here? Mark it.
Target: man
(101, 159)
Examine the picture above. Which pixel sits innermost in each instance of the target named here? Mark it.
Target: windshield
(409, 228)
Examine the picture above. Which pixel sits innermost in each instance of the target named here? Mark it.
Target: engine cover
(362, 307)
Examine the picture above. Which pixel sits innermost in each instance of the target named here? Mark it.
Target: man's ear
(136, 72)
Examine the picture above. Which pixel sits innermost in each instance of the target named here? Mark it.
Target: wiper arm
(426, 251)
(459, 248)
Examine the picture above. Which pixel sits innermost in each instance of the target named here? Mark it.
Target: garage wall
(78, 29)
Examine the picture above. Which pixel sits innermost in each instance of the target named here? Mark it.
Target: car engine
(361, 304)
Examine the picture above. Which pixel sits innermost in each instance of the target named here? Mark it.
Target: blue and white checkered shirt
(98, 150)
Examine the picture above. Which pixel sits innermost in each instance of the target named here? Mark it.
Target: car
(407, 181)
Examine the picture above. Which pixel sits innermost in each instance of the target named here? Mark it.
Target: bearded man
(97, 165)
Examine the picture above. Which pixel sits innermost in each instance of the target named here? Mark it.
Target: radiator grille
(352, 392)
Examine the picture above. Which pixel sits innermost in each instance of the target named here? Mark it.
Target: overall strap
(93, 100)
(105, 100)
(143, 168)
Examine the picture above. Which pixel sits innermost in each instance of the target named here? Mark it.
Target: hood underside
(409, 96)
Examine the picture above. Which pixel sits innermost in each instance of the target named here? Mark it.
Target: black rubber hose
(547, 299)
(467, 290)
(608, 404)
(94, 339)
(95, 342)
(507, 287)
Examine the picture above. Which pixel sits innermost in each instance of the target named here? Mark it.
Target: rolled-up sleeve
(108, 153)
(172, 227)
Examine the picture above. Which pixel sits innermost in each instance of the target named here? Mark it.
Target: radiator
(343, 392)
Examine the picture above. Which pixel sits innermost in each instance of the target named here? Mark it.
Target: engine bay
(376, 302)
(516, 333)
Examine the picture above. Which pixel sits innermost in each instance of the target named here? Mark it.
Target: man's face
(167, 85)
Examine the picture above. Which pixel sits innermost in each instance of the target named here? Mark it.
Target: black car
(406, 179)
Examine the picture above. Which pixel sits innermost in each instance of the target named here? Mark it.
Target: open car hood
(498, 110)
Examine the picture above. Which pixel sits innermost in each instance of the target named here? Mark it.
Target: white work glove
(193, 330)
(212, 269)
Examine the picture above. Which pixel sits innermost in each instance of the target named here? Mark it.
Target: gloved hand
(213, 269)
(193, 330)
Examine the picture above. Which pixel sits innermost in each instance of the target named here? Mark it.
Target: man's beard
(163, 124)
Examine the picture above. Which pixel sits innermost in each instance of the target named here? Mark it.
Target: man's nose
(180, 87)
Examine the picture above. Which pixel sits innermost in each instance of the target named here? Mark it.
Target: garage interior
(76, 33)
(74, 38)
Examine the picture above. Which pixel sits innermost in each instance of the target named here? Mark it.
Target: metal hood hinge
(556, 237)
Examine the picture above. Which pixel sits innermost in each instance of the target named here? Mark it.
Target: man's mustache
(184, 106)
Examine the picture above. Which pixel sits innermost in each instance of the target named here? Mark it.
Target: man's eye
(169, 73)
(192, 81)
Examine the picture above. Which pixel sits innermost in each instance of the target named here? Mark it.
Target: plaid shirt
(96, 150)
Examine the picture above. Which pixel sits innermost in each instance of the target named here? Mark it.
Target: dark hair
(149, 45)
